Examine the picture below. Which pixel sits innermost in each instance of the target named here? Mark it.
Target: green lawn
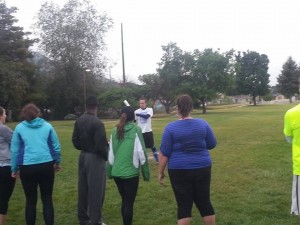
(251, 181)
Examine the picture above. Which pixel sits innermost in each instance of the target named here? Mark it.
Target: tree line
(69, 57)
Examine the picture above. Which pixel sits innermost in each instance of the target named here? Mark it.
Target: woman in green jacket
(126, 157)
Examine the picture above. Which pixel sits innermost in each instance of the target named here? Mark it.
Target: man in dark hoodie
(89, 137)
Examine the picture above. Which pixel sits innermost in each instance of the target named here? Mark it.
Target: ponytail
(120, 126)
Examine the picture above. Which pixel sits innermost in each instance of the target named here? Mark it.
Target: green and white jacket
(127, 157)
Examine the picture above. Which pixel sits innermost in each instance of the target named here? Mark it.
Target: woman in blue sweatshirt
(185, 148)
(35, 154)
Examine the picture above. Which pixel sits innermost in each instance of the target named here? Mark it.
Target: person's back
(292, 130)
(292, 133)
(192, 138)
(89, 137)
(124, 151)
(184, 149)
(127, 156)
(35, 155)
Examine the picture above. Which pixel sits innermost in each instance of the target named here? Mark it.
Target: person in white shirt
(143, 119)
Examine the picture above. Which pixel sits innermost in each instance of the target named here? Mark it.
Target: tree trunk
(167, 107)
(202, 100)
(254, 100)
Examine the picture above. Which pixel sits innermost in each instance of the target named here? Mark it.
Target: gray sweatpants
(91, 187)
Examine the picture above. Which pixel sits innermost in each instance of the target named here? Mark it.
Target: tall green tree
(252, 77)
(288, 80)
(73, 38)
(16, 72)
(210, 74)
(170, 70)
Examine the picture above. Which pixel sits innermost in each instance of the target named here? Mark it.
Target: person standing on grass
(89, 137)
(127, 155)
(292, 133)
(7, 183)
(184, 147)
(35, 154)
(143, 119)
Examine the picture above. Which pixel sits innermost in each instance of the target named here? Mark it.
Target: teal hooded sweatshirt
(34, 142)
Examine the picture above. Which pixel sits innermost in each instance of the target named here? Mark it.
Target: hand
(15, 174)
(57, 167)
(161, 177)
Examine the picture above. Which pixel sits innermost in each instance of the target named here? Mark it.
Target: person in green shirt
(292, 134)
(126, 158)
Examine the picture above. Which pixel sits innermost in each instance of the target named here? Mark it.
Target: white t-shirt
(143, 123)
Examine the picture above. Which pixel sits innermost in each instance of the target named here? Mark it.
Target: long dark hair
(120, 126)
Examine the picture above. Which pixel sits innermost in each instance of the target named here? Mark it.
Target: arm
(163, 160)
(100, 140)
(165, 153)
(144, 116)
(287, 130)
(111, 159)
(140, 154)
(111, 155)
(15, 148)
(7, 133)
(56, 148)
(289, 139)
(75, 138)
(210, 139)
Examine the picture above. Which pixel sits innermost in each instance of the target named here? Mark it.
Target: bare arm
(163, 160)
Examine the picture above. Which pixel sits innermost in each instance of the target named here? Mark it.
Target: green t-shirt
(292, 129)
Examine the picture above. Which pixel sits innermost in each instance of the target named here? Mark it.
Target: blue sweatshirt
(34, 142)
(186, 144)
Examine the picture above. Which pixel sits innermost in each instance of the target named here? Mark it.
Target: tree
(210, 74)
(171, 68)
(252, 77)
(151, 87)
(16, 71)
(288, 80)
(113, 99)
(72, 37)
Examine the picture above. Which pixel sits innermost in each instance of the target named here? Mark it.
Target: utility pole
(124, 79)
(84, 87)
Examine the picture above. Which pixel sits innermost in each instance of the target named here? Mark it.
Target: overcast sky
(267, 27)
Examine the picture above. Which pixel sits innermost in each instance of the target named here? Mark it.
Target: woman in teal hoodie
(35, 154)
(127, 156)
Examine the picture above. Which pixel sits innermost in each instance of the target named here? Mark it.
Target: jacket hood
(128, 126)
(35, 123)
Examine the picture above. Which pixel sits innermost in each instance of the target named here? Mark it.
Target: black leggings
(192, 186)
(7, 184)
(128, 190)
(32, 176)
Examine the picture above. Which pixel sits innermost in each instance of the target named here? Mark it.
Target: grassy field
(251, 180)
